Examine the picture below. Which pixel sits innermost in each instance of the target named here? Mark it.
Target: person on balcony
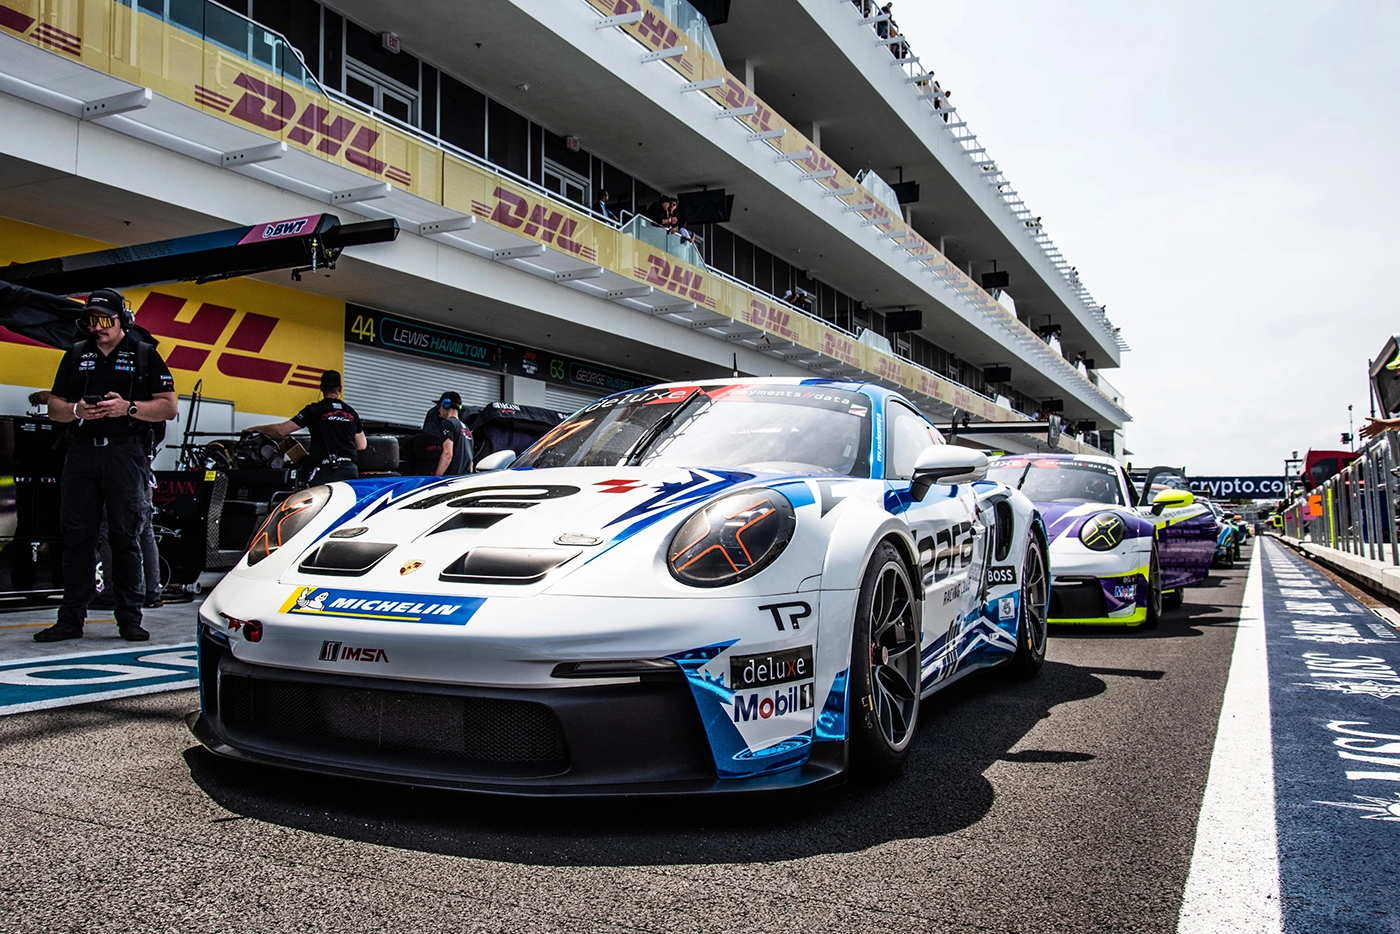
(1375, 427)
(605, 206)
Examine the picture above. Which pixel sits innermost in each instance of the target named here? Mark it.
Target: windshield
(757, 427)
(1050, 480)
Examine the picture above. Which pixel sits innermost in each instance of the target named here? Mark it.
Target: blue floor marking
(59, 681)
(1334, 692)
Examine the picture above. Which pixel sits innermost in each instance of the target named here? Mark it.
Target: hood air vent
(345, 558)
(506, 565)
(470, 520)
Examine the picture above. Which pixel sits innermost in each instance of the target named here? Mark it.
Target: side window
(906, 436)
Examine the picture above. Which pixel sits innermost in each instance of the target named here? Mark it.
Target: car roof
(1079, 458)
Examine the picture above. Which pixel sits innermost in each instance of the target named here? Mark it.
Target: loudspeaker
(906, 192)
(711, 206)
(898, 321)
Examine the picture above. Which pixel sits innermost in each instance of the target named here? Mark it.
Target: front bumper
(644, 737)
(1088, 600)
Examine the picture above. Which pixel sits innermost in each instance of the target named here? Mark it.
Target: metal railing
(923, 82)
(1354, 511)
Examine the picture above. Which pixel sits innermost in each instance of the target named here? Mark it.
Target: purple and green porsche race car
(1118, 557)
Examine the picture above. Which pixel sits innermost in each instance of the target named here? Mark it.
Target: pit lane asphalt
(1066, 803)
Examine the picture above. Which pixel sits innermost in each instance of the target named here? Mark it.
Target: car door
(945, 529)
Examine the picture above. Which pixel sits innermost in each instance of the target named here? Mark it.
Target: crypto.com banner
(1241, 487)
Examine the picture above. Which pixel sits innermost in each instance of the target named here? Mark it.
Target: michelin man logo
(307, 602)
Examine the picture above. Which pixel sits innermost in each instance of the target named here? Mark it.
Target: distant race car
(722, 586)
(1227, 538)
(1117, 560)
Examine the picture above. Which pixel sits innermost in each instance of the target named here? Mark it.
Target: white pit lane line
(1233, 884)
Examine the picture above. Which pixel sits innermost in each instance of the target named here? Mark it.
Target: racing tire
(886, 666)
(1154, 592)
(1172, 599)
(1033, 628)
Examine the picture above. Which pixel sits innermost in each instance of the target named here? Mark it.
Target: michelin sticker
(387, 607)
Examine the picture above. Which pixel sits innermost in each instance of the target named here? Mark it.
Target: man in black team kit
(444, 423)
(336, 434)
(113, 389)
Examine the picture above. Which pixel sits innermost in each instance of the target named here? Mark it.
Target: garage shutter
(389, 387)
(566, 400)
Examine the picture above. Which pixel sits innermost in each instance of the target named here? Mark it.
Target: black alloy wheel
(1033, 633)
(1154, 592)
(886, 666)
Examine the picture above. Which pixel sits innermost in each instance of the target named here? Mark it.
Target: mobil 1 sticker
(1001, 575)
(755, 671)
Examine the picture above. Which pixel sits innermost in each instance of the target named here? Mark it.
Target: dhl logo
(46, 34)
(675, 278)
(240, 357)
(734, 94)
(774, 320)
(536, 219)
(889, 368)
(653, 28)
(272, 108)
(842, 348)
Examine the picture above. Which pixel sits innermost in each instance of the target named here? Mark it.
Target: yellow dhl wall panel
(261, 346)
(141, 48)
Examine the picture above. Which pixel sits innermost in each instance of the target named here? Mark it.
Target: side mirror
(946, 463)
(1172, 499)
(496, 460)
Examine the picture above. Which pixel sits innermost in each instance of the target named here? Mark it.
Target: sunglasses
(101, 321)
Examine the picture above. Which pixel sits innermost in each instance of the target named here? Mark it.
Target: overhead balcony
(201, 95)
(835, 63)
(656, 103)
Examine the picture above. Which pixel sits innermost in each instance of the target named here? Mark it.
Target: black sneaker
(133, 633)
(58, 632)
(153, 602)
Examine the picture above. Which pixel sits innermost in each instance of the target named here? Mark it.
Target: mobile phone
(92, 399)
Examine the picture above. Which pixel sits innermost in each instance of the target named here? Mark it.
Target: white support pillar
(521, 390)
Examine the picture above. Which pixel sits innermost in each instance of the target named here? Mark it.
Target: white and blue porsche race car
(730, 585)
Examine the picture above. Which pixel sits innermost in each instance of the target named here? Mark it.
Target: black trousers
(334, 472)
(100, 481)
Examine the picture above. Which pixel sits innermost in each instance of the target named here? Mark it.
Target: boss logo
(1003, 575)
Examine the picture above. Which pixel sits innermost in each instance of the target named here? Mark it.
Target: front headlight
(1103, 532)
(731, 539)
(289, 518)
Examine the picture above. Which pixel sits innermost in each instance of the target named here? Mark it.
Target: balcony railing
(922, 82)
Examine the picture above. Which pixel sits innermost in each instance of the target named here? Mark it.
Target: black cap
(330, 380)
(450, 400)
(108, 301)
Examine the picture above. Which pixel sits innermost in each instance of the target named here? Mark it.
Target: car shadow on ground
(963, 731)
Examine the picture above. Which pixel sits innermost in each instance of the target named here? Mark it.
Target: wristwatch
(131, 410)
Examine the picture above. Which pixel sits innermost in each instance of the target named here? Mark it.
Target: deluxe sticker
(390, 607)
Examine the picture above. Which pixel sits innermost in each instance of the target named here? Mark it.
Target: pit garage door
(566, 400)
(384, 386)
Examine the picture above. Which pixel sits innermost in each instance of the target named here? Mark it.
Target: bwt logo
(273, 108)
(242, 357)
(283, 229)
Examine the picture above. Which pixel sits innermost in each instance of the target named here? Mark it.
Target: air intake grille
(464, 729)
(345, 558)
(1071, 599)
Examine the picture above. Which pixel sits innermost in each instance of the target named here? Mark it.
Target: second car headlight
(731, 539)
(289, 518)
(1103, 532)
